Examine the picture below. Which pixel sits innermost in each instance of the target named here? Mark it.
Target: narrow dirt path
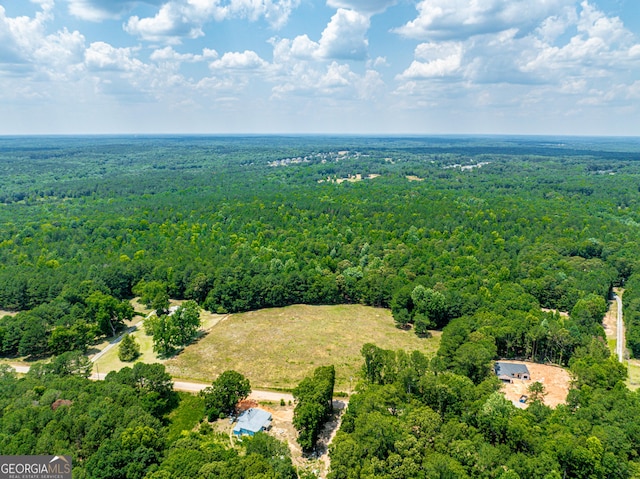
(620, 332)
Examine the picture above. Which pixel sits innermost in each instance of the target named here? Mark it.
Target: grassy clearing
(142, 309)
(633, 366)
(111, 362)
(276, 348)
(4, 313)
(186, 416)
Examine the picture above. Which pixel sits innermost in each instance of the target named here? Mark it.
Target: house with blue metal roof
(252, 421)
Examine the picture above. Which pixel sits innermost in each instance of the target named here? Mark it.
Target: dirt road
(189, 386)
(620, 331)
(256, 395)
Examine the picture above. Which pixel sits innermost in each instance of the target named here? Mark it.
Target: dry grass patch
(4, 313)
(633, 382)
(276, 348)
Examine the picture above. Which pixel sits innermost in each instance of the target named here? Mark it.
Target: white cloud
(61, 49)
(180, 19)
(171, 24)
(21, 36)
(247, 60)
(440, 60)
(25, 46)
(370, 86)
(574, 86)
(336, 81)
(336, 76)
(300, 48)
(595, 24)
(304, 67)
(574, 43)
(168, 54)
(378, 62)
(278, 13)
(102, 56)
(551, 28)
(460, 19)
(303, 47)
(345, 36)
(364, 6)
(99, 10)
(601, 45)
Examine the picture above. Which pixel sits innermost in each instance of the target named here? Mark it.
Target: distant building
(507, 372)
(252, 421)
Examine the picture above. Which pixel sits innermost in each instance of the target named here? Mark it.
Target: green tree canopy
(224, 394)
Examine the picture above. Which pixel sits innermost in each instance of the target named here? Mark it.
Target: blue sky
(565, 67)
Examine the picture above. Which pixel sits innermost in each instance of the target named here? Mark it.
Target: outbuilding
(507, 372)
(252, 421)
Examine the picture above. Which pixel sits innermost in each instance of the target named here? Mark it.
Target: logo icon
(35, 467)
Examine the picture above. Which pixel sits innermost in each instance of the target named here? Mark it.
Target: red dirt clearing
(555, 379)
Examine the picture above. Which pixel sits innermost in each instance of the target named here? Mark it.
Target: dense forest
(480, 237)
(419, 422)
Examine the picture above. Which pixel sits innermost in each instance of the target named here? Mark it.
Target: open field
(7, 313)
(555, 379)
(633, 382)
(276, 348)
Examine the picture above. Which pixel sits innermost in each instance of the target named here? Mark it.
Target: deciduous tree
(224, 394)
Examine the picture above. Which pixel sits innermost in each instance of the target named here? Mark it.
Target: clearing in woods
(610, 325)
(555, 379)
(276, 348)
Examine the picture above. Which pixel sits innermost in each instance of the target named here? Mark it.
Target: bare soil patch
(610, 320)
(555, 379)
(282, 429)
(4, 313)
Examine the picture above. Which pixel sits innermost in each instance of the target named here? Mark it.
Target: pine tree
(129, 349)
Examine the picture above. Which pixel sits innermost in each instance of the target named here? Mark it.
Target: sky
(540, 67)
